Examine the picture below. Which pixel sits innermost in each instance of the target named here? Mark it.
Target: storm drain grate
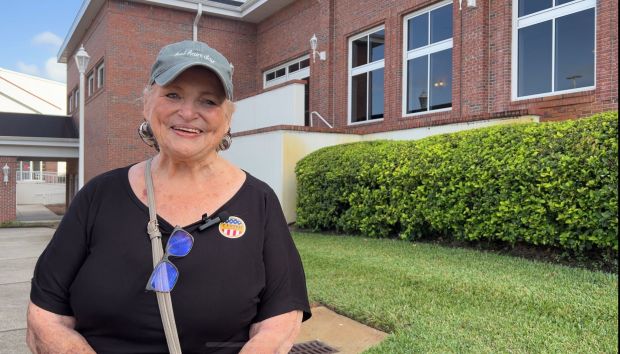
(313, 347)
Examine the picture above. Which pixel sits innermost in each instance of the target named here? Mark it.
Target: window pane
(100, 76)
(418, 32)
(560, 2)
(293, 67)
(271, 76)
(527, 7)
(534, 59)
(574, 50)
(417, 85)
(360, 51)
(358, 98)
(441, 80)
(441, 23)
(376, 94)
(280, 72)
(304, 63)
(377, 45)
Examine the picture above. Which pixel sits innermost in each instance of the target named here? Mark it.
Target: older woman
(240, 288)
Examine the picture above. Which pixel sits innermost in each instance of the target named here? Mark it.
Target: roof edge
(252, 11)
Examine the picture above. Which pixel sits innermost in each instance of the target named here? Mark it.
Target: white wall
(284, 105)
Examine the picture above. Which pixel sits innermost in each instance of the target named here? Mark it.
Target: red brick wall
(128, 35)
(8, 191)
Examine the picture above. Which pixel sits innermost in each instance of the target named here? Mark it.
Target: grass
(433, 299)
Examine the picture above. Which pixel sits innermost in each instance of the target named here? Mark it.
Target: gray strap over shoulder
(163, 299)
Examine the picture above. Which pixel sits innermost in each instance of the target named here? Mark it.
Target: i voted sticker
(234, 227)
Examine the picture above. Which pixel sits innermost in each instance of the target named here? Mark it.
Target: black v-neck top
(97, 265)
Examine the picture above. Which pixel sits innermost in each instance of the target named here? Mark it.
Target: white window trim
(363, 69)
(542, 16)
(100, 68)
(70, 103)
(420, 52)
(297, 75)
(91, 84)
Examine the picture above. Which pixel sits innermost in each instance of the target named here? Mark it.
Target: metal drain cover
(312, 347)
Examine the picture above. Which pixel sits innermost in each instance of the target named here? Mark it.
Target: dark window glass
(417, 85)
(294, 67)
(418, 32)
(376, 94)
(271, 76)
(534, 59)
(441, 80)
(574, 50)
(304, 63)
(360, 51)
(359, 96)
(441, 23)
(527, 7)
(280, 72)
(560, 2)
(377, 45)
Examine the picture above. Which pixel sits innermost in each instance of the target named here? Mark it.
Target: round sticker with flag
(234, 227)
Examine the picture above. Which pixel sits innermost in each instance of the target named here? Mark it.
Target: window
(91, 84)
(553, 47)
(366, 64)
(77, 99)
(70, 103)
(427, 82)
(100, 75)
(294, 70)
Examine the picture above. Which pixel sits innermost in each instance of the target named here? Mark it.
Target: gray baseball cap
(175, 58)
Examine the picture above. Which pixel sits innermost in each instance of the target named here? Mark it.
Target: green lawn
(433, 299)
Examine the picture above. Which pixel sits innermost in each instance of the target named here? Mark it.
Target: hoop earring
(146, 134)
(226, 142)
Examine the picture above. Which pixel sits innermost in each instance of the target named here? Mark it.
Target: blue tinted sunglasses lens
(180, 243)
(164, 277)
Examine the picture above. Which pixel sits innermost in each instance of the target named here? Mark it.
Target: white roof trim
(252, 11)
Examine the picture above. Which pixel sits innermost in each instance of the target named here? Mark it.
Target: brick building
(390, 69)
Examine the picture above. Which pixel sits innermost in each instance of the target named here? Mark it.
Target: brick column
(8, 191)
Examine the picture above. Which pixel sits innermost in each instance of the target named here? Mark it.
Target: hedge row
(550, 184)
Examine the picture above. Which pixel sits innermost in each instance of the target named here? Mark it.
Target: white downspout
(198, 15)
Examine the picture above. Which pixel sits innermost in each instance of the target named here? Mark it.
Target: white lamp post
(81, 59)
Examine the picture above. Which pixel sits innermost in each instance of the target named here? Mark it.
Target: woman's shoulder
(113, 178)
(257, 185)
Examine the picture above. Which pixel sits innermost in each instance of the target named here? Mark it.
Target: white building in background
(22, 93)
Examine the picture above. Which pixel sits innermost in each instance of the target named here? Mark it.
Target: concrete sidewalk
(35, 213)
(22, 246)
(20, 249)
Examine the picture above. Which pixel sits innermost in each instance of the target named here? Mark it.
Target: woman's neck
(168, 168)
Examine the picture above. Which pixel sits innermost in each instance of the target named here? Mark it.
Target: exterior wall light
(81, 60)
(5, 172)
(470, 3)
(313, 45)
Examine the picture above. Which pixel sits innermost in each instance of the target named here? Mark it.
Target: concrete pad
(14, 304)
(17, 270)
(339, 332)
(23, 242)
(13, 342)
(35, 212)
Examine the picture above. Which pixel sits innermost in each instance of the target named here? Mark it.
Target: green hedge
(550, 184)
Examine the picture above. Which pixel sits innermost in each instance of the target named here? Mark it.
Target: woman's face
(187, 116)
